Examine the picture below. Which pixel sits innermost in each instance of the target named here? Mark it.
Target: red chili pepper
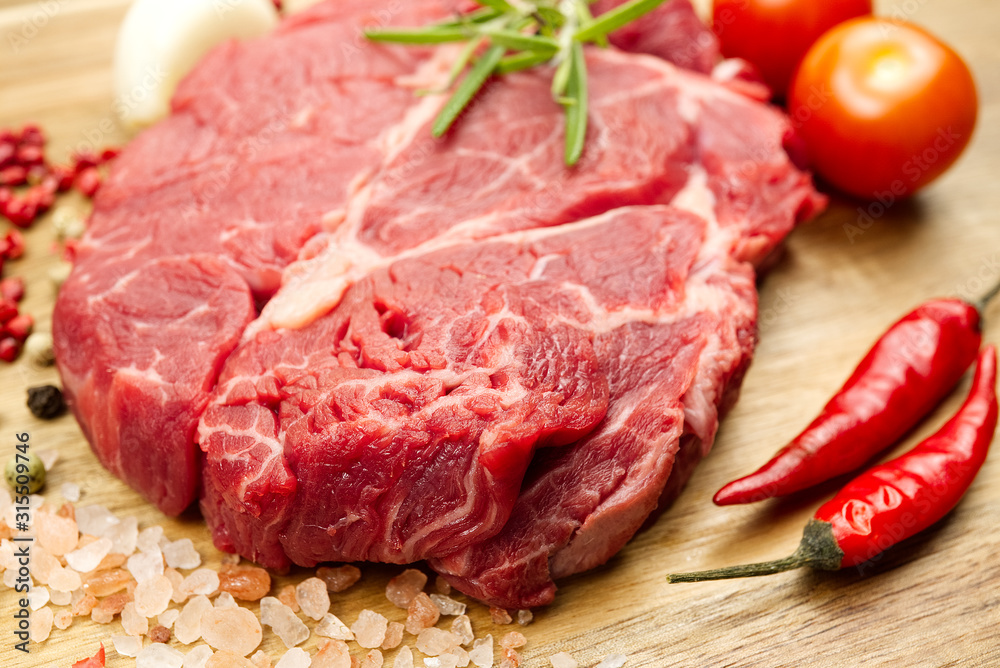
(897, 499)
(905, 374)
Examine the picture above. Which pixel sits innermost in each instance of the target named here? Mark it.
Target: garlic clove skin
(161, 40)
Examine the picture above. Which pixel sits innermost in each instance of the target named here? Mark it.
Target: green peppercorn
(30, 473)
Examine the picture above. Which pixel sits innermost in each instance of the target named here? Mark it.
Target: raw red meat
(450, 313)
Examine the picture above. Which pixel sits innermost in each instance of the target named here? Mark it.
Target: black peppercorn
(46, 401)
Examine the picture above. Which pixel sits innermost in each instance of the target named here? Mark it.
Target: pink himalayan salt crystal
(123, 534)
(225, 600)
(159, 655)
(133, 623)
(421, 614)
(443, 661)
(461, 626)
(283, 621)
(340, 578)
(333, 654)
(524, 617)
(314, 600)
(84, 605)
(41, 624)
(612, 661)
(127, 645)
(87, 558)
(513, 640)
(159, 634)
(199, 656)
(108, 607)
(247, 583)
(105, 583)
(65, 579)
(145, 565)
(181, 554)
(70, 491)
(230, 559)
(373, 659)
(235, 630)
(511, 659)
(481, 653)
(500, 616)
(226, 659)
(153, 596)
(260, 659)
(442, 586)
(296, 657)
(434, 641)
(447, 605)
(168, 617)
(176, 581)
(563, 660)
(404, 587)
(404, 659)
(202, 581)
(187, 627)
(331, 627)
(393, 636)
(42, 564)
(149, 539)
(37, 597)
(58, 535)
(369, 630)
(61, 597)
(287, 596)
(49, 457)
(63, 619)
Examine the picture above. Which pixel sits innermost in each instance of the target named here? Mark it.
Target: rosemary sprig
(518, 35)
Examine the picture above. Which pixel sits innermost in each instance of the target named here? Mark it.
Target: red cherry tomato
(883, 107)
(775, 34)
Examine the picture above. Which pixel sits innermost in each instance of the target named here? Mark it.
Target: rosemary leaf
(616, 18)
(517, 41)
(576, 113)
(522, 61)
(560, 80)
(479, 16)
(429, 35)
(498, 5)
(467, 90)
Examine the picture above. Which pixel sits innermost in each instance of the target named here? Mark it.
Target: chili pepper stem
(818, 550)
(984, 301)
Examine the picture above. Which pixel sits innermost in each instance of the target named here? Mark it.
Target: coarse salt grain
(260, 659)
(70, 491)
(500, 616)
(42, 564)
(159, 655)
(61, 597)
(333, 654)
(434, 641)
(444, 661)
(149, 539)
(393, 636)
(442, 586)
(369, 630)
(461, 626)
(283, 621)
(524, 617)
(63, 619)
(181, 554)
(514, 639)
(124, 535)
(153, 596)
(187, 627)
(159, 634)
(331, 627)
(58, 535)
(340, 578)
(41, 624)
(37, 597)
(65, 579)
(105, 583)
(612, 661)
(87, 558)
(127, 645)
(404, 587)
(177, 582)
(202, 581)
(168, 617)
(225, 600)
(447, 605)
(49, 457)
(145, 566)
(226, 659)
(133, 623)
(481, 653)
(314, 600)
(294, 658)
(236, 630)
(563, 660)
(421, 614)
(287, 596)
(247, 583)
(198, 657)
(95, 520)
(404, 659)
(373, 659)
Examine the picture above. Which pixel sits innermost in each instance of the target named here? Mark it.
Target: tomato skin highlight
(883, 107)
(774, 35)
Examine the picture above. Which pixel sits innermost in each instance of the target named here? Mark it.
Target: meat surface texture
(357, 342)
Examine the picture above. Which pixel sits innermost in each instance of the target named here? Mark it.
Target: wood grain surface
(934, 601)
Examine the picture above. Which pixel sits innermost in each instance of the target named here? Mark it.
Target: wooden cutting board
(933, 601)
